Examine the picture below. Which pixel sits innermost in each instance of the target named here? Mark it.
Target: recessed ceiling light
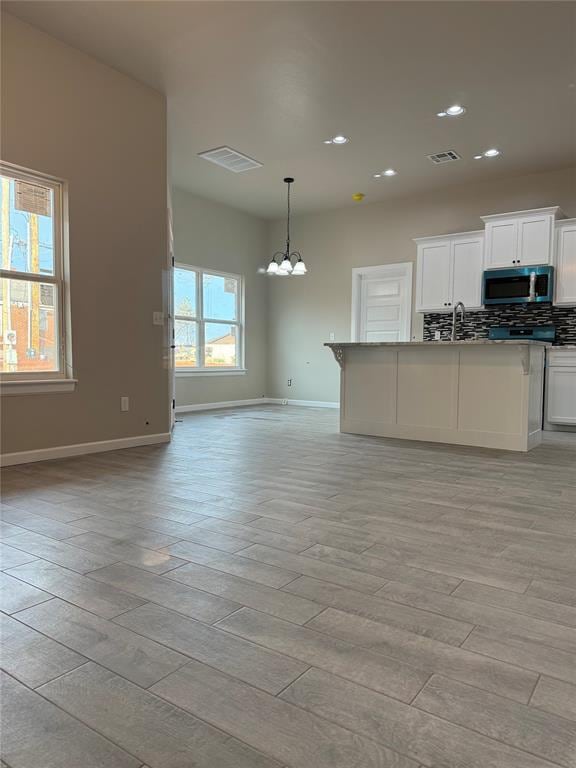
(478, 157)
(377, 175)
(390, 172)
(454, 111)
(340, 140)
(492, 153)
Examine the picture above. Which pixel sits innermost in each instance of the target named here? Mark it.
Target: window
(31, 277)
(208, 321)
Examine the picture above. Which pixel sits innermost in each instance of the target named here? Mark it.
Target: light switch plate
(158, 318)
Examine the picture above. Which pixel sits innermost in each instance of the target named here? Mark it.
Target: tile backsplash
(478, 323)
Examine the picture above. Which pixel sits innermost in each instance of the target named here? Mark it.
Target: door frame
(403, 270)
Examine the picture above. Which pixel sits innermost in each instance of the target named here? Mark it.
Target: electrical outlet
(289, 382)
(124, 403)
(284, 402)
(332, 336)
(437, 336)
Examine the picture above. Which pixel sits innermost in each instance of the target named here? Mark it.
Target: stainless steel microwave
(521, 285)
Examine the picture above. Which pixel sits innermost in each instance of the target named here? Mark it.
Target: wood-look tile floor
(268, 593)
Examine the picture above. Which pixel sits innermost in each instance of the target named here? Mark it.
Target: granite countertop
(514, 342)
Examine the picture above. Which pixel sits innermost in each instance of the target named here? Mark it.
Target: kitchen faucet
(460, 306)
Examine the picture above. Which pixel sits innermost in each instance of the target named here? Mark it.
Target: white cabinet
(561, 386)
(524, 238)
(449, 270)
(467, 269)
(565, 262)
(434, 275)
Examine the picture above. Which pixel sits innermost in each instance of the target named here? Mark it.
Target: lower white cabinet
(561, 386)
(449, 270)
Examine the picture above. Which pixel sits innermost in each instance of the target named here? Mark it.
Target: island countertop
(440, 343)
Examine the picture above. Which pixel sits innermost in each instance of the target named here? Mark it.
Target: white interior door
(383, 305)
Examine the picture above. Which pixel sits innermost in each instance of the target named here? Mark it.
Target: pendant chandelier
(286, 263)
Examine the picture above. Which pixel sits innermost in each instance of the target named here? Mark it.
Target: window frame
(23, 382)
(201, 369)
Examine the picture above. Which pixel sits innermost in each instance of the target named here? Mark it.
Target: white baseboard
(305, 403)
(224, 404)
(256, 401)
(78, 449)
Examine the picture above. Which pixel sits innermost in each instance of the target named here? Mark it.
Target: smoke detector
(448, 156)
(230, 159)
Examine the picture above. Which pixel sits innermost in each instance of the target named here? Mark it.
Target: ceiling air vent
(230, 159)
(444, 157)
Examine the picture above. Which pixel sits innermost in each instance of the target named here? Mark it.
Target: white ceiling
(274, 79)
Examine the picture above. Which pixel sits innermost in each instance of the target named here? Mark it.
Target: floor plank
(431, 740)
(422, 622)
(195, 603)
(290, 735)
(147, 726)
(31, 657)
(101, 599)
(337, 656)
(15, 595)
(555, 696)
(539, 733)
(37, 733)
(235, 656)
(428, 654)
(243, 592)
(135, 657)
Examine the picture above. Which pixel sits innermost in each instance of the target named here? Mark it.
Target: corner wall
(67, 115)
(304, 311)
(215, 236)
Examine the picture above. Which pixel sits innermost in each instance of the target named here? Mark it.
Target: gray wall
(69, 116)
(208, 234)
(304, 311)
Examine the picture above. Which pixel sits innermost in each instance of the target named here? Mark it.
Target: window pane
(185, 292)
(27, 226)
(29, 327)
(220, 346)
(219, 297)
(186, 341)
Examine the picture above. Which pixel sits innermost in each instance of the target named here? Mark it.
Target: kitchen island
(484, 393)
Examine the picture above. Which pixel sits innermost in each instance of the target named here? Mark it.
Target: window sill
(36, 386)
(211, 372)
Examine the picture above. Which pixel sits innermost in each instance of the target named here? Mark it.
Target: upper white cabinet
(566, 262)
(449, 270)
(524, 238)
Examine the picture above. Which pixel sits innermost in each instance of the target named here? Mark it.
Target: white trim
(438, 238)
(79, 449)
(553, 210)
(36, 386)
(405, 269)
(223, 404)
(255, 401)
(210, 372)
(304, 403)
